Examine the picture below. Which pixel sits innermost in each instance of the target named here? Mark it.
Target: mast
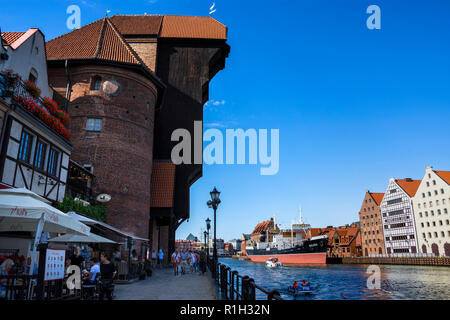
(300, 211)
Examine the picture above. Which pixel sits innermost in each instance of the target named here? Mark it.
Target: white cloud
(215, 103)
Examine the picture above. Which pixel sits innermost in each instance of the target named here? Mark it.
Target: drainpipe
(68, 86)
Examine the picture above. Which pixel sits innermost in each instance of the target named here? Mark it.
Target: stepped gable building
(397, 212)
(431, 213)
(128, 82)
(371, 224)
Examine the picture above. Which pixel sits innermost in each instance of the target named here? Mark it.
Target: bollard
(244, 288)
(251, 289)
(272, 294)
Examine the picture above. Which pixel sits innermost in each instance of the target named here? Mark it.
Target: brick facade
(121, 153)
(371, 225)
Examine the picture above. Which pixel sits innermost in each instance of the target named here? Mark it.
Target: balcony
(27, 95)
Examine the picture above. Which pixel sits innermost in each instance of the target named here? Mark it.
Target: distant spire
(107, 12)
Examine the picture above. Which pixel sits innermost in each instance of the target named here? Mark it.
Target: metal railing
(234, 286)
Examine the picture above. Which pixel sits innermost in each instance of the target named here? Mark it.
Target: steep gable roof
(409, 186)
(377, 197)
(16, 39)
(262, 227)
(444, 175)
(98, 40)
(10, 37)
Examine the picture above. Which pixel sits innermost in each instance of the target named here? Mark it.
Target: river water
(349, 281)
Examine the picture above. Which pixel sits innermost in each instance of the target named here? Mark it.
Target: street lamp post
(205, 233)
(214, 203)
(208, 226)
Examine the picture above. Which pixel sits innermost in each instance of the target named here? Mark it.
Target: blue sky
(354, 106)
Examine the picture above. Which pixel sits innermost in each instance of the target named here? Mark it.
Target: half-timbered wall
(26, 172)
(398, 221)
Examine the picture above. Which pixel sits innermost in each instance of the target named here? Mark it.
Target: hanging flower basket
(50, 120)
(63, 117)
(33, 89)
(51, 105)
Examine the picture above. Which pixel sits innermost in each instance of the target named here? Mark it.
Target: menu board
(54, 264)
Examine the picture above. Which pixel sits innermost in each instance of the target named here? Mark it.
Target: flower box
(33, 89)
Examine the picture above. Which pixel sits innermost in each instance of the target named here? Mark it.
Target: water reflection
(340, 282)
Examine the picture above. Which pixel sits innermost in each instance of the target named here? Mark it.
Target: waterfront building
(113, 74)
(35, 147)
(245, 240)
(397, 212)
(343, 241)
(220, 245)
(371, 224)
(263, 230)
(431, 213)
(236, 243)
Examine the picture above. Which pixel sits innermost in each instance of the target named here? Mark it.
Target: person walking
(175, 262)
(153, 257)
(161, 258)
(202, 261)
(107, 272)
(184, 261)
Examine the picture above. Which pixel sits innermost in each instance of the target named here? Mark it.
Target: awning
(90, 221)
(21, 210)
(74, 238)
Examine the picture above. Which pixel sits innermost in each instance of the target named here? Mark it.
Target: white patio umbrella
(23, 210)
(75, 238)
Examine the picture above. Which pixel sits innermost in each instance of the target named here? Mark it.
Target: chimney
(408, 179)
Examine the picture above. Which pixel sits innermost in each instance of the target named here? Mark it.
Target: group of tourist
(103, 268)
(192, 260)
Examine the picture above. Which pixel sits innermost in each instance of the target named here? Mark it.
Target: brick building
(264, 229)
(128, 82)
(372, 239)
(344, 241)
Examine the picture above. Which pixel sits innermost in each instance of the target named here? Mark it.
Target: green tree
(96, 211)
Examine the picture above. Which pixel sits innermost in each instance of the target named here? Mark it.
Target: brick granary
(128, 82)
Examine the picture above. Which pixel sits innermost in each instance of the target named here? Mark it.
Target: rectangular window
(94, 124)
(394, 213)
(52, 162)
(25, 147)
(39, 157)
(398, 200)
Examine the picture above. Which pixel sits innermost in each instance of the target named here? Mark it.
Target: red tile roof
(377, 197)
(10, 37)
(192, 28)
(98, 40)
(133, 25)
(444, 175)
(162, 186)
(409, 186)
(263, 227)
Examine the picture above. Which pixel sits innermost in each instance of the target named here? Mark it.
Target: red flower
(51, 105)
(53, 122)
(33, 89)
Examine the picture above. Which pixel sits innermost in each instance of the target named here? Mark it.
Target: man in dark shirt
(107, 272)
(77, 259)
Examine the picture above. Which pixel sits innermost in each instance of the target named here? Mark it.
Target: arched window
(96, 83)
(33, 75)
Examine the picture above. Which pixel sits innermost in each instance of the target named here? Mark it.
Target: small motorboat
(301, 290)
(273, 263)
